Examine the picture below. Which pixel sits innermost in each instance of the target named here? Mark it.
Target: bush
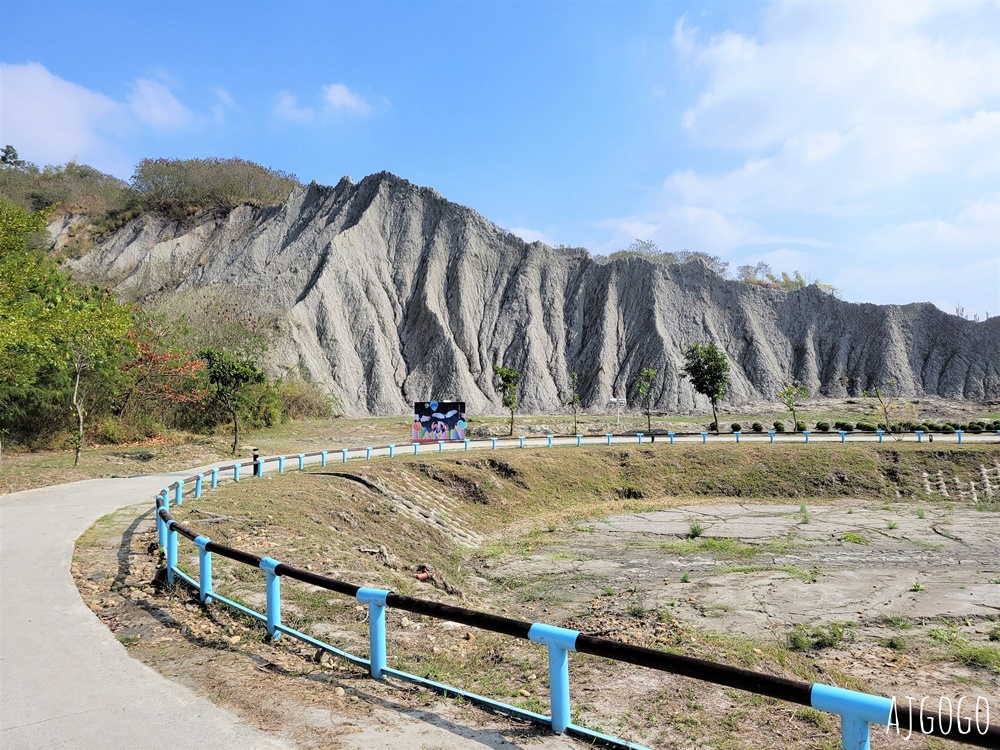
(865, 427)
(713, 427)
(736, 427)
(823, 426)
(801, 426)
(975, 426)
(948, 430)
(779, 426)
(845, 426)
(300, 398)
(757, 427)
(175, 187)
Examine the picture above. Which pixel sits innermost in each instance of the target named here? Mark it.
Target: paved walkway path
(65, 682)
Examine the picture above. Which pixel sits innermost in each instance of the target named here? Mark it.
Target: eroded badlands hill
(389, 294)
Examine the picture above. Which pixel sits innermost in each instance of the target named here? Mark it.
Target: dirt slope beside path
(65, 682)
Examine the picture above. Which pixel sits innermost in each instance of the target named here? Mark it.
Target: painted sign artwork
(438, 420)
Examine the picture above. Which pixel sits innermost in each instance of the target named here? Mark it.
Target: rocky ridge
(387, 293)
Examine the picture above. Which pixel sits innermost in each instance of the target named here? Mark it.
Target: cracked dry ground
(913, 589)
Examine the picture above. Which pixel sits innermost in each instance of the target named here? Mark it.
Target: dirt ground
(898, 599)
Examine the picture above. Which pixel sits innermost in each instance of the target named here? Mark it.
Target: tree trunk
(649, 420)
(795, 422)
(512, 422)
(79, 416)
(236, 430)
(716, 417)
(575, 430)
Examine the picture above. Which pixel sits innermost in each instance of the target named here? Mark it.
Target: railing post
(204, 568)
(806, 433)
(440, 446)
(880, 434)
(466, 441)
(268, 564)
(857, 711)
(579, 439)
(215, 477)
(281, 464)
(416, 449)
(843, 436)
(258, 465)
(236, 472)
(302, 461)
(609, 435)
(704, 437)
(344, 452)
(198, 480)
(494, 441)
(171, 550)
(920, 435)
(959, 433)
(737, 434)
(639, 435)
(671, 436)
(392, 449)
(322, 458)
(550, 439)
(179, 492)
(559, 641)
(520, 441)
(161, 526)
(375, 599)
(770, 434)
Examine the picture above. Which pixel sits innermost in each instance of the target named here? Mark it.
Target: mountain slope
(389, 294)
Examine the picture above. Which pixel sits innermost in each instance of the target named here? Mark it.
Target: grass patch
(726, 548)
(831, 635)
(853, 538)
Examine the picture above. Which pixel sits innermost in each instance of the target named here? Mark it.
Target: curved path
(65, 681)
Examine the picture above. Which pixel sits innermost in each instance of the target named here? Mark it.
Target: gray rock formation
(389, 294)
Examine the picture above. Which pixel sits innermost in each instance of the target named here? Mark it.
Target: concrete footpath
(65, 681)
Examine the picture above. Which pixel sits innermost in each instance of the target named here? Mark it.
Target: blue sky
(855, 142)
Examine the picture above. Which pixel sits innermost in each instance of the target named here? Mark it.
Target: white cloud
(533, 235)
(871, 128)
(336, 97)
(153, 104)
(287, 106)
(223, 106)
(52, 121)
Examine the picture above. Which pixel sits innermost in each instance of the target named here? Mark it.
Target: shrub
(948, 430)
(713, 427)
(736, 427)
(303, 399)
(779, 426)
(975, 426)
(845, 426)
(823, 426)
(865, 427)
(757, 427)
(177, 186)
(801, 426)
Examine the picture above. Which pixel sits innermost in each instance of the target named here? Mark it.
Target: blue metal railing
(857, 710)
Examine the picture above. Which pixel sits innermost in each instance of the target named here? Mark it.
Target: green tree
(93, 336)
(790, 395)
(232, 381)
(574, 397)
(644, 387)
(507, 380)
(707, 368)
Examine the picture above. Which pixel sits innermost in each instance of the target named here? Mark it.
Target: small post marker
(704, 437)
(639, 435)
(737, 435)
(343, 452)
(609, 435)
(671, 436)
(843, 436)
(579, 440)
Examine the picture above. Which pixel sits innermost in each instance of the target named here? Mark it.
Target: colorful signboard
(438, 420)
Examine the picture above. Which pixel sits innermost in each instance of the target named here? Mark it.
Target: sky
(855, 142)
